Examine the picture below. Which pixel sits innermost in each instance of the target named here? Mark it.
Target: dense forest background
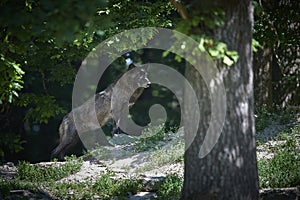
(43, 43)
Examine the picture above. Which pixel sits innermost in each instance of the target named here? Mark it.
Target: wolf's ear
(131, 66)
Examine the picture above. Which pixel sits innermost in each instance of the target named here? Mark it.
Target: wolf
(68, 132)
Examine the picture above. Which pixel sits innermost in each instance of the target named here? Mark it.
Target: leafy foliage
(43, 107)
(283, 169)
(45, 38)
(48, 40)
(170, 188)
(28, 30)
(10, 142)
(200, 22)
(40, 19)
(11, 79)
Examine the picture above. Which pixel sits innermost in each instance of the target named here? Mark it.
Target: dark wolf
(102, 101)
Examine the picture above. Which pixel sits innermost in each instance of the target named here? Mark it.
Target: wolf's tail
(68, 137)
(57, 152)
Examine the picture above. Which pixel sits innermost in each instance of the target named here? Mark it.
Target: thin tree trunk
(263, 88)
(229, 171)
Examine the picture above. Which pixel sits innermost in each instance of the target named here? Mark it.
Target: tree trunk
(229, 171)
(263, 88)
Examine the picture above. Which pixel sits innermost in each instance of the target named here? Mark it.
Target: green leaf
(256, 45)
(165, 54)
(228, 61)
(213, 52)
(201, 44)
(178, 58)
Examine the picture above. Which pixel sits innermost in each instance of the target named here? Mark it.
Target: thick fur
(83, 114)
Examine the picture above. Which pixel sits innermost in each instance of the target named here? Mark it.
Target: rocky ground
(127, 165)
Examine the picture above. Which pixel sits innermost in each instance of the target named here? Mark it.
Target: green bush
(283, 170)
(69, 190)
(109, 188)
(170, 188)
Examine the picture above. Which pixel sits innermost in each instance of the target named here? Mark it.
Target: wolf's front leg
(116, 128)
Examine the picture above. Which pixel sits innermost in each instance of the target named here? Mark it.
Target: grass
(290, 133)
(37, 173)
(116, 188)
(68, 190)
(163, 156)
(105, 187)
(9, 185)
(150, 138)
(34, 177)
(283, 170)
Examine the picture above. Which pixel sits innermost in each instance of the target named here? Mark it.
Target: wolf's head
(139, 77)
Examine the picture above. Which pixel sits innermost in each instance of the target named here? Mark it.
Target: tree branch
(44, 83)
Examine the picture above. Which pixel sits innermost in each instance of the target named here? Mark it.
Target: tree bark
(229, 171)
(263, 88)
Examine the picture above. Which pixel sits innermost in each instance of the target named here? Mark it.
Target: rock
(88, 171)
(143, 196)
(151, 184)
(122, 139)
(280, 194)
(27, 194)
(8, 171)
